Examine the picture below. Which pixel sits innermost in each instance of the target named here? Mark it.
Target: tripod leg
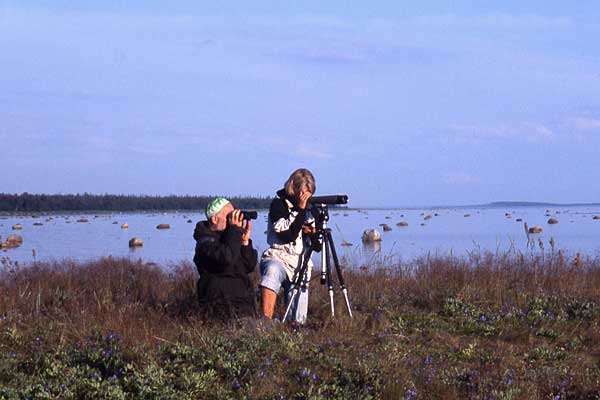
(327, 261)
(338, 269)
(297, 282)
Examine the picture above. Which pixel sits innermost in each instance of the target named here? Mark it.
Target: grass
(483, 326)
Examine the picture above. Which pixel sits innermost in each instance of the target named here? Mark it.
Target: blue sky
(428, 104)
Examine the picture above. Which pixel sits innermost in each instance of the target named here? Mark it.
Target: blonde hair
(298, 180)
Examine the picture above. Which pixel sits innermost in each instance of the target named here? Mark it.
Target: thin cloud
(528, 131)
(460, 178)
(305, 151)
(586, 124)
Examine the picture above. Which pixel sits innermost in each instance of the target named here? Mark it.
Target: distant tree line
(26, 202)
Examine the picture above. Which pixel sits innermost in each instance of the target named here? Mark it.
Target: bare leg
(269, 298)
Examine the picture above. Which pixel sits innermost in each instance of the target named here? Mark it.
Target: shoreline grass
(485, 326)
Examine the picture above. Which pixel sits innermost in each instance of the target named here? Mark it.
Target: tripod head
(320, 213)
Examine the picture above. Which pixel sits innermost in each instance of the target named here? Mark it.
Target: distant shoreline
(26, 203)
(499, 204)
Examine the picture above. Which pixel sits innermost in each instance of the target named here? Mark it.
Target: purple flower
(261, 373)
(314, 376)
(410, 394)
(305, 372)
(236, 385)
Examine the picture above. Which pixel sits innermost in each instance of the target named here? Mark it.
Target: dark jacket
(224, 288)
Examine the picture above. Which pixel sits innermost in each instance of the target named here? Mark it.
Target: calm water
(61, 236)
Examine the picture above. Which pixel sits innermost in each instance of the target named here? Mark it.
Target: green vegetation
(26, 202)
(518, 327)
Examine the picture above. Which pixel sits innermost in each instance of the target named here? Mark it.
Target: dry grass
(482, 326)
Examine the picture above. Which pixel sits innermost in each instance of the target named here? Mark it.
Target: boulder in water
(83, 220)
(371, 235)
(14, 241)
(467, 215)
(125, 226)
(535, 229)
(163, 226)
(402, 223)
(17, 227)
(37, 224)
(552, 221)
(596, 217)
(386, 228)
(427, 217)
(519, 220)
(136, 242)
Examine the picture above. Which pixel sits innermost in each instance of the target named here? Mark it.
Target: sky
(431, 103)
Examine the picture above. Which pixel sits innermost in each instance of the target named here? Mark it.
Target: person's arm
(249, 257)
(286, 224)
(213, 255)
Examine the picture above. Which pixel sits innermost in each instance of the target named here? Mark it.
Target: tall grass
(482, 326)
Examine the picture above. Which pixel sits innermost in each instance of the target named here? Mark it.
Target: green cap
(215, 206)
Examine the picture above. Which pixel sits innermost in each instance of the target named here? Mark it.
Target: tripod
(323, 242)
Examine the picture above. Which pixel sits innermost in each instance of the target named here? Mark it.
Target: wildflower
(261, 373)
(305, 372)
(410, 394)
(236, 385)
(483, 318)
(313, 376)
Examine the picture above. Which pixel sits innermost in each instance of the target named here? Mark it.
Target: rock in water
(136, 242)
(189, 221)
(402, 223)
(14, 241)
(371, 235)
(596, 216)
(552, 221)
(83, 220)
(386, 228)
(467, 215)
(17, 227)
(427, 217)
(37, 224)
(125, 226)
(535, 229)
(163, 226)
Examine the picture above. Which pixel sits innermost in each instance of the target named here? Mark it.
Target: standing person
(224, 258)
(289, 225)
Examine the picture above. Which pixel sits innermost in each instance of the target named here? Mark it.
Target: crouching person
(225, 258)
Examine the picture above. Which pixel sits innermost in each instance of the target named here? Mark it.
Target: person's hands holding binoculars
(236, 218)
